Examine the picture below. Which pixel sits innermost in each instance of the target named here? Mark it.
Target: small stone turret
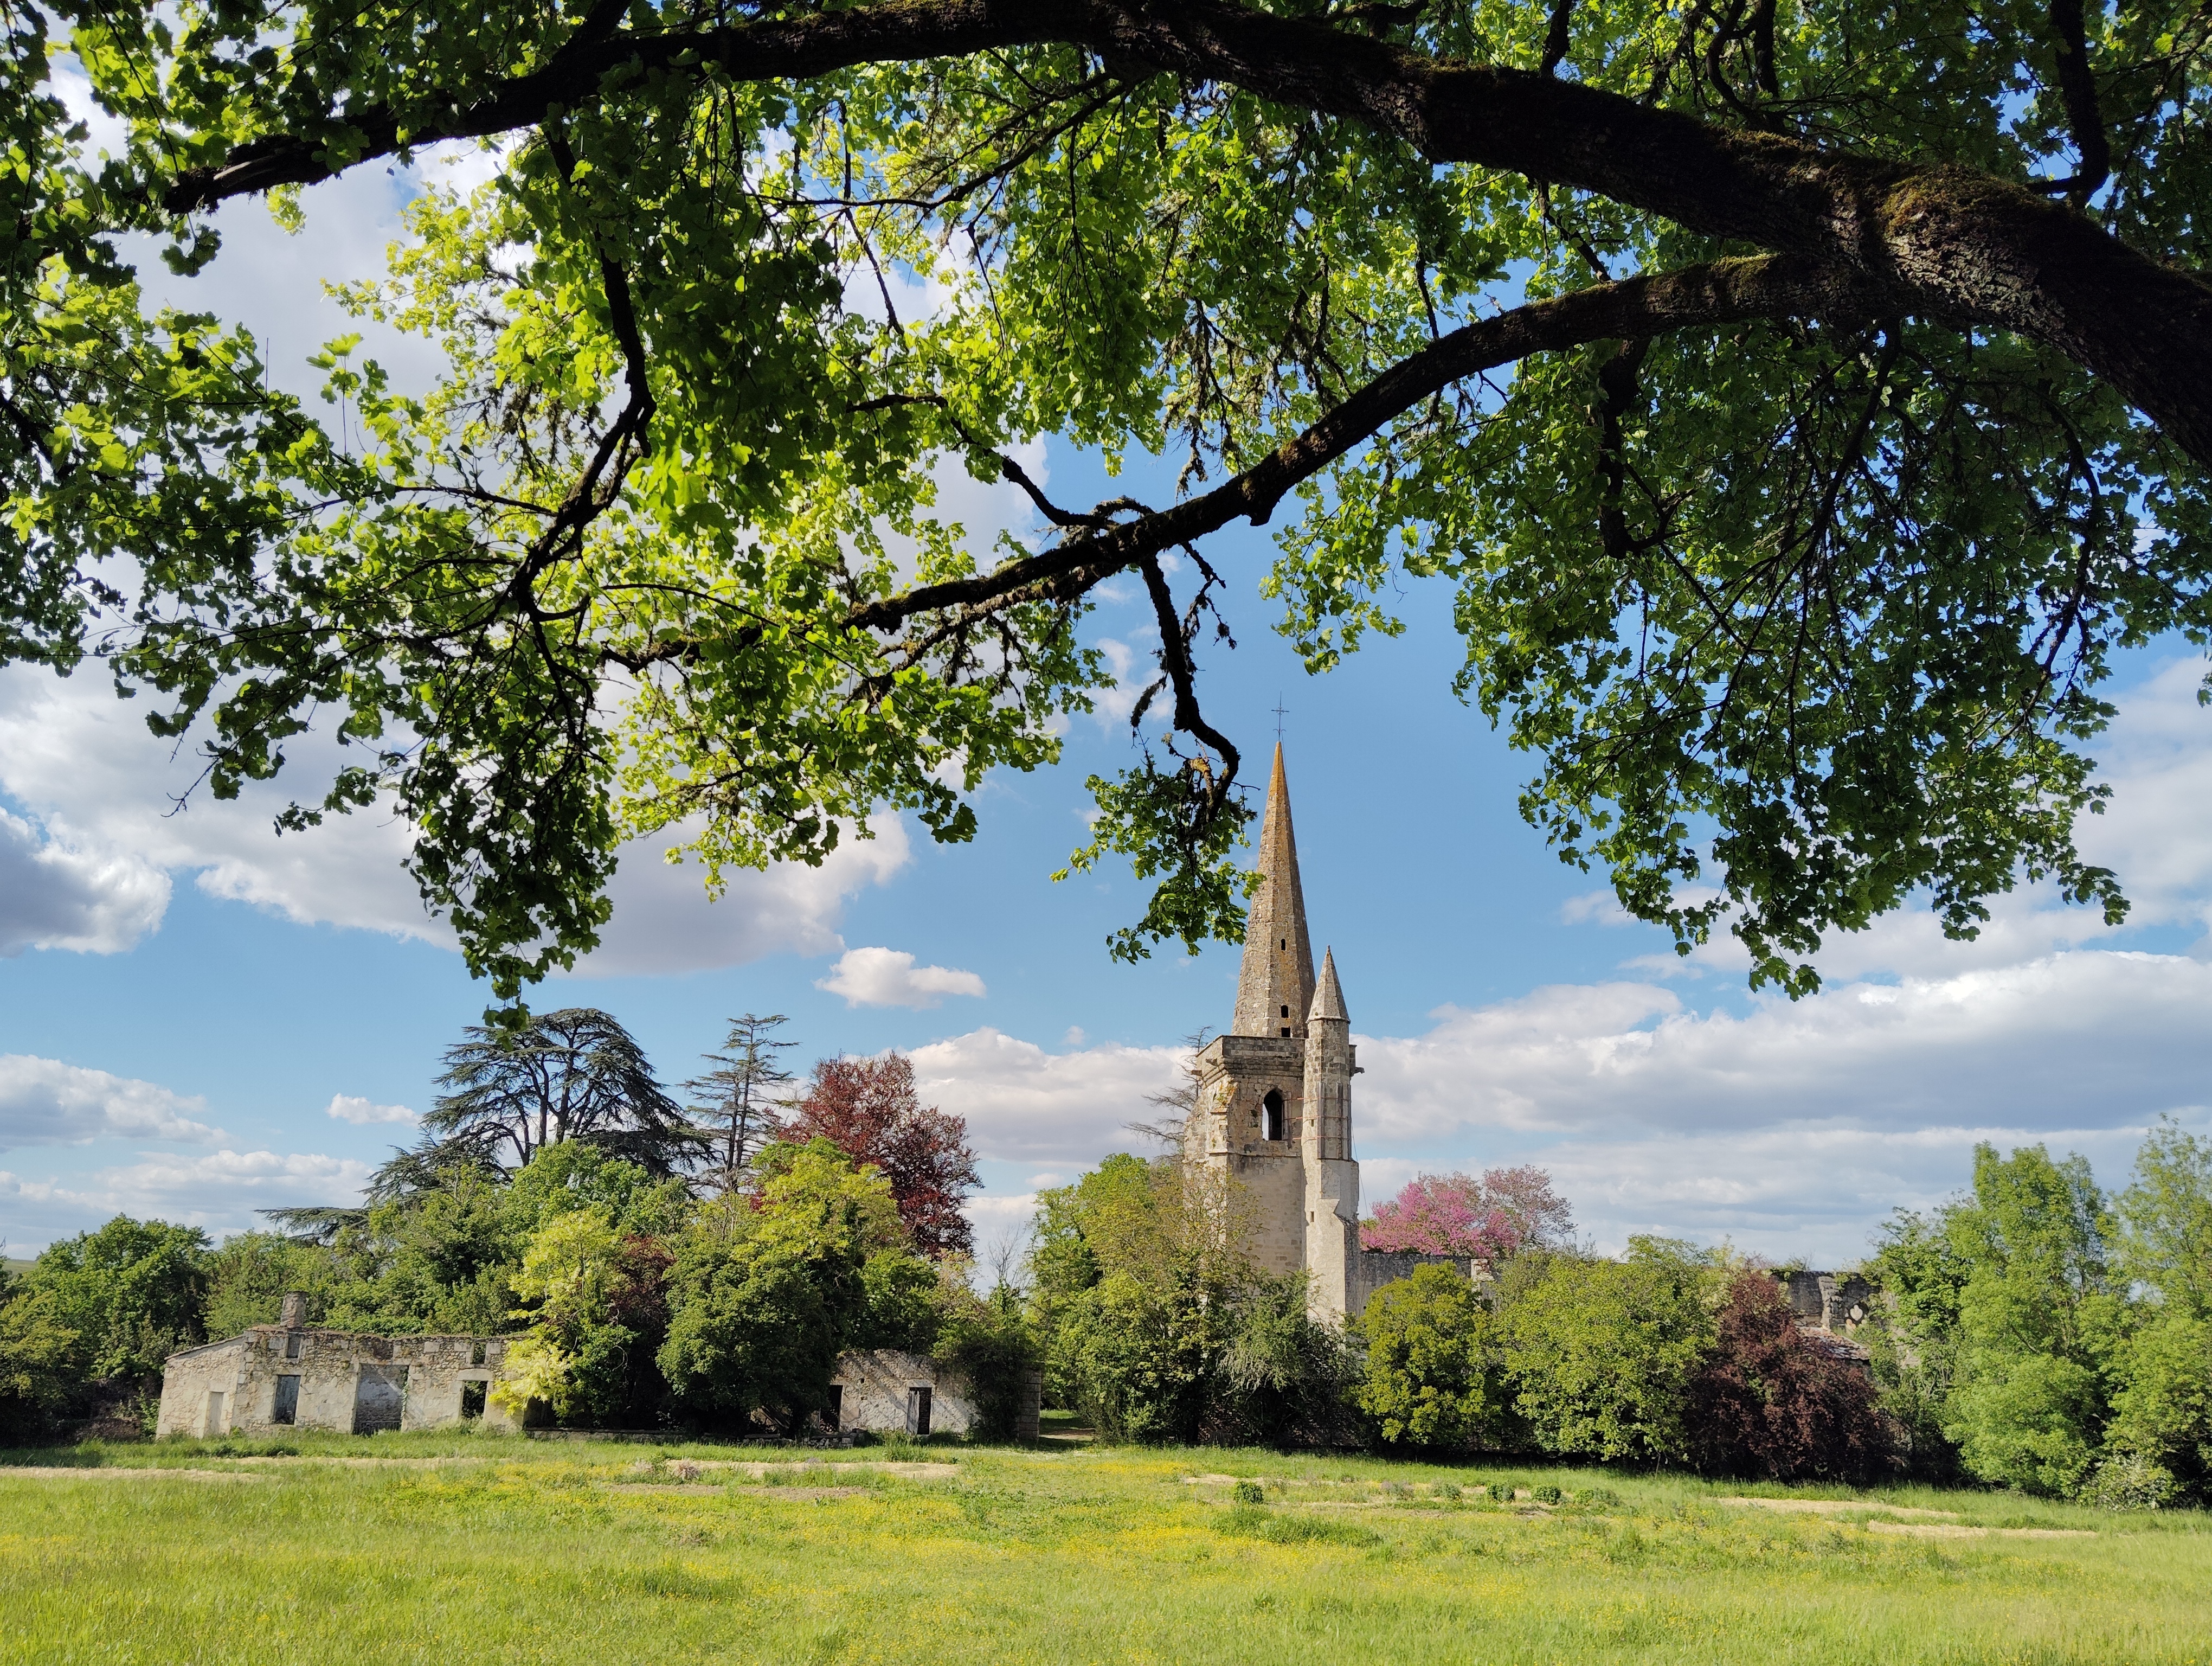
(1332, 1177)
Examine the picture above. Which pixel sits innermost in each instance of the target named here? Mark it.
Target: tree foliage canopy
(1800, 402)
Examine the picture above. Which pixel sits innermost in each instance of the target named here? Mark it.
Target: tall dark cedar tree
(868, 1109)
(574, 1074)
(1799, 402)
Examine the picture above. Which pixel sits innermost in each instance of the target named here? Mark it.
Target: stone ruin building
(291, 1375)
(1273, 1110)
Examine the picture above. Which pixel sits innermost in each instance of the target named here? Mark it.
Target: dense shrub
(1600, 1353)
(1434, 1373)
(765, 1294)
(1770, 1403)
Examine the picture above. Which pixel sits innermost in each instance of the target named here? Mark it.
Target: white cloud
(664, 921)
(2034, 1043)
(55, 896)
(364, 1113)
(1026, 1105)
(86, 765)
(888, 977)
(218, 1192)
(44, 1102)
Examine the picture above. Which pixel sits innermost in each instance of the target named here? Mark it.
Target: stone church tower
(1274, 1095)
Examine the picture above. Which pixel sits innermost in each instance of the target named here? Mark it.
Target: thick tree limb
(1724, 292)
(1959, 244)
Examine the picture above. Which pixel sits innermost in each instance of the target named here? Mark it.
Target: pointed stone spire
(1275, 987)
(1328, 999)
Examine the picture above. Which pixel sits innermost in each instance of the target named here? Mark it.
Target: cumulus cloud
(664, 921)
(888, 977)
(218, 1192)
(2090, 1027)
(54, 896)
(363, 1113)
(1026, 1105)
(44, 1102)
(99, 782)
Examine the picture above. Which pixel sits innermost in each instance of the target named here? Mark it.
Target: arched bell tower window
(1271, 1115)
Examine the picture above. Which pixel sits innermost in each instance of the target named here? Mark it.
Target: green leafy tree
(1600, 1354)
(1912, 1333)
(764, 1293)
(1156, 1322)
(2039, 1319)
(250, 1274)
(2161, 1422)
(131, 1294)
(1792, 438)
(1435, 1372)
(39, 1379)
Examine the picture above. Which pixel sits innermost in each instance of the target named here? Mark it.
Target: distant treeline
(2033, 1333)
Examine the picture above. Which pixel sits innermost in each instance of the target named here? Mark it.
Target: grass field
(469, 1549)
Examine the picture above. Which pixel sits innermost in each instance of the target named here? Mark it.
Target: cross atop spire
(1276, 985)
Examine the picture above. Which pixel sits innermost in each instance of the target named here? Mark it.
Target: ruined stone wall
(344, 1381)
(877, 1392)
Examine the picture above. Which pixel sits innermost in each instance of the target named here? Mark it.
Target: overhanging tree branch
(1961, 244)
(1723, 292)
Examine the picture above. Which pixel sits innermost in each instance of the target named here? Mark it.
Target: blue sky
(184, 998)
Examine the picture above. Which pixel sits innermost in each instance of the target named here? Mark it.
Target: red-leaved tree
(1455, 1214)
(868, 1109)
(1774, 1402)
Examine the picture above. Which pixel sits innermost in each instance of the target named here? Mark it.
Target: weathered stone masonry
(1273, 1115)
(290, 1376)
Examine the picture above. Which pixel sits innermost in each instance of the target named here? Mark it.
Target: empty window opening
(287, 1408)
(1286, 1030)
(477, 1351)
(293, 1340)
(472, 1400)
(1286, 1011)
(1286, 942)
(1271, 1115)
(917, 1411)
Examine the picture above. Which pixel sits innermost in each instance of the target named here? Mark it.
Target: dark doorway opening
(472, 1400)
(917, 1412)
(287, 1409)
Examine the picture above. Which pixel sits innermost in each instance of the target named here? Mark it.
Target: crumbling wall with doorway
(278, 1377)
(890, 1391)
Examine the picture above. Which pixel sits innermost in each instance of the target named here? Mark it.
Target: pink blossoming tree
(1507, 1210)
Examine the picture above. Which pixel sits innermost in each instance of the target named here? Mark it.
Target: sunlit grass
(503, 1549)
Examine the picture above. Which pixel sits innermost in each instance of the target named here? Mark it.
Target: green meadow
(474, 1548)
